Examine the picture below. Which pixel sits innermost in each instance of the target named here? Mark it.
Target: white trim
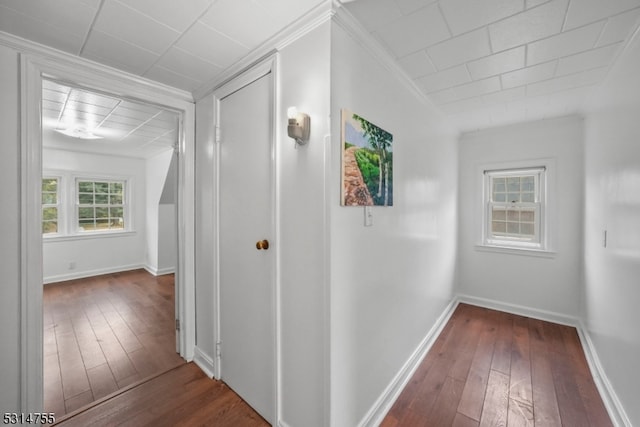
(609, 397)
(160, 271)
(297, 29)
(50, 63)
(254, 72)
(90, 273)
(385, 401)
(204, 362)
(521, 310)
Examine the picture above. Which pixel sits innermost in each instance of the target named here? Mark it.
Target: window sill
(87, 236)
(541, 253)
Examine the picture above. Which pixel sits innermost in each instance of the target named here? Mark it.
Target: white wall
(302, 203)
(389, 282)
(544, 284)
(160, 226)
(10, 232)
(612, 273)
(97, 255)
(204, 237)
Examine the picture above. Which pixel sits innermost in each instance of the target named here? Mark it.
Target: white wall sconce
(299, 124)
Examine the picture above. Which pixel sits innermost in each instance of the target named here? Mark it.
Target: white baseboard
(383, 404)
(159, 271)
(549, 316)
(610, 399)
(90, 273)
(203, 361)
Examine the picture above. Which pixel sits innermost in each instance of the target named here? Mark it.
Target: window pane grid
(50, 201)
(100, 205)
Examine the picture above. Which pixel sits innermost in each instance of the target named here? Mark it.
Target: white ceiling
(482, 62)
(493, 62)
(123, 127)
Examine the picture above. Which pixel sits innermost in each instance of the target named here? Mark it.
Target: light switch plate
(368, 216)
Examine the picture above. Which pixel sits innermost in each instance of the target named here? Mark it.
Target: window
(100, 205)
(50, 205)
(514, 202)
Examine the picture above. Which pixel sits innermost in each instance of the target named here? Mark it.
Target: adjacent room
(328, 212)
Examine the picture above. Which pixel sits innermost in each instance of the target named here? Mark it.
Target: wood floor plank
(85, 329)
(445, 408)
(536, 375)
(496, 401)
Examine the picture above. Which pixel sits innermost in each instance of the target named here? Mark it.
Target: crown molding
(135, 86)
(308, 22)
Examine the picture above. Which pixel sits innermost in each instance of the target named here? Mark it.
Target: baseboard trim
(91, 273)
(610, 399)
(203, 361)
(383, 404)
(159, 271)
(521, 310)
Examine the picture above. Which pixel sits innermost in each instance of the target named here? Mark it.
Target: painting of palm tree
(367, 162)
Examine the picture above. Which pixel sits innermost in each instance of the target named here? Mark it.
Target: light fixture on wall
(299, 124)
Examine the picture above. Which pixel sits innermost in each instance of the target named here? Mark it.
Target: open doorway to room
(110, 243)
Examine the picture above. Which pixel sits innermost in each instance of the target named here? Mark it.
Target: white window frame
(77, 205)
(68, 217)
(541, 242)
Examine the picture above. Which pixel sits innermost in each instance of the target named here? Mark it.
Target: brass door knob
(262, 244)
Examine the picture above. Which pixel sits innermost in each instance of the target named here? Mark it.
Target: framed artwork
(367, 162)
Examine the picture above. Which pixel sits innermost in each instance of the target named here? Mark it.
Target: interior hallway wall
(612, 273)
(389, 282)
(545, 284)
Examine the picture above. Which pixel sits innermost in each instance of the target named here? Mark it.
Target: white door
(247, 321)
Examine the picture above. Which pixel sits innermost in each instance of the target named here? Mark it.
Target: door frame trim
(33, 68)
(268, 65)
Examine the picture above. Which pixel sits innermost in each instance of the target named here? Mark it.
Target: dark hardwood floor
(487, 368)
(490, 368)
(104, 333)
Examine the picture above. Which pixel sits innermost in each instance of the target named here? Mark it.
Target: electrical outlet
(368, 216)
(72, 265)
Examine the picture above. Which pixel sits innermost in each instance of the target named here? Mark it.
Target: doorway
(33, 71)
(247, 255)
(109, 213)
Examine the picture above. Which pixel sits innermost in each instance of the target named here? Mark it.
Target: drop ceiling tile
(563, 44)
(186, 64)
(172, 78)
(529, 75)
(374, 13)
(56, 13)
(477, 88)
(505, 96)
(409, 6)
(219, 49)
(127, 107)
(619, 27)
(38, 31)
(288, 11)
(87, 108)
(498, 63)
(417, 64)
(444, 79)
(465, 15)
(464, 105)
(534, 3)
(233, 18)
(125, 23)
(540, 22)
(586, 11)
(111, 51)
(595, 58)
(567, 82)
(460, 49)
(443, 97)
(414, 32)
(178, 15)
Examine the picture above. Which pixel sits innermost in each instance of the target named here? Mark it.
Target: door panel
(247, 325)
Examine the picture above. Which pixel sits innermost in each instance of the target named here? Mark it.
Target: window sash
(514, 203)
(100, 205)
